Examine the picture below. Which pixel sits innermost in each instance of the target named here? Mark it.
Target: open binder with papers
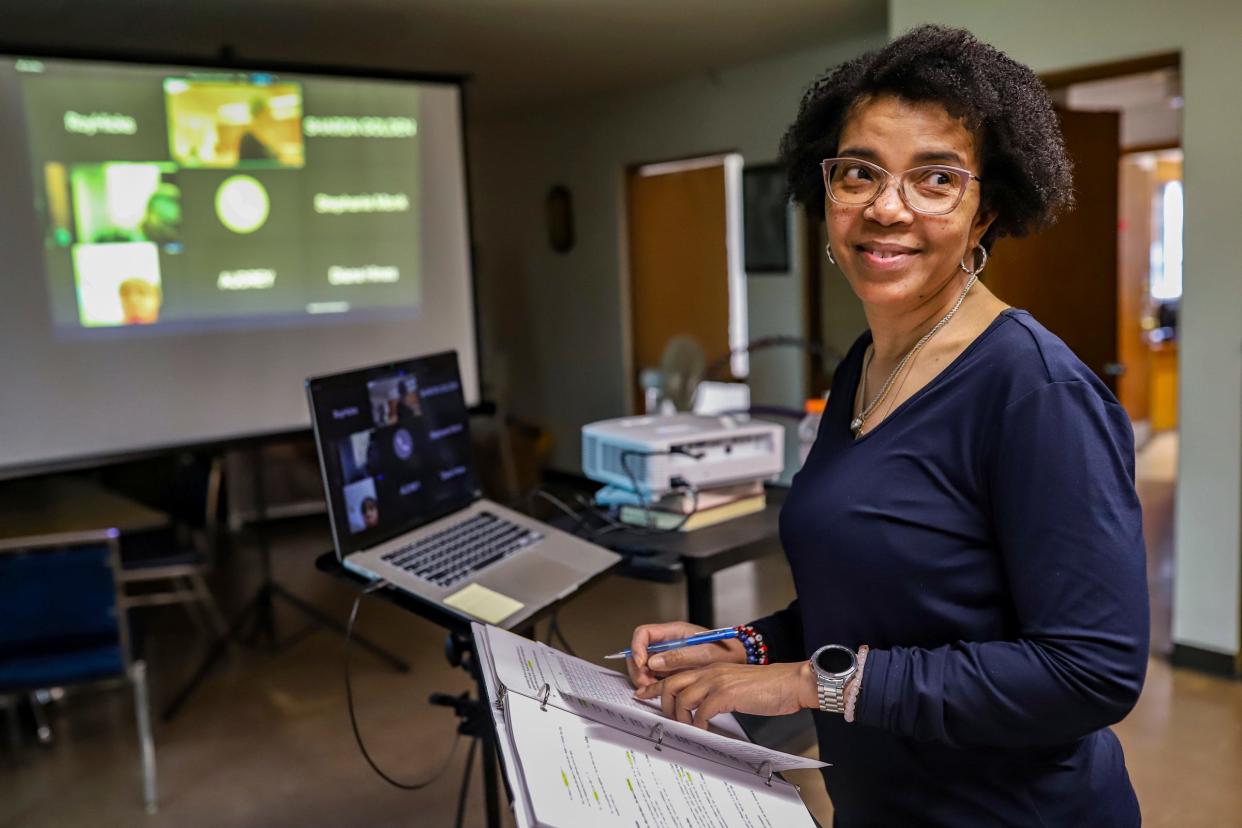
(579, 749)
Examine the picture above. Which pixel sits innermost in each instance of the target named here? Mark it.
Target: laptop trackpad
(531, 579)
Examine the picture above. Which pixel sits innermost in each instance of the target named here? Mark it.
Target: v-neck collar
(932, 383)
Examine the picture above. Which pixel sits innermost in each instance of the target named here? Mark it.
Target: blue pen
(705, 637)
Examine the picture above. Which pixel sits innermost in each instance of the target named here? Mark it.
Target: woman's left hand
(694, 696)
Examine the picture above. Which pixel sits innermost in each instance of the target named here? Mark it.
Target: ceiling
(1150, 104)
(521, 54)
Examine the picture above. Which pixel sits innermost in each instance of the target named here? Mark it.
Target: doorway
(1115, 300)
(687, 278)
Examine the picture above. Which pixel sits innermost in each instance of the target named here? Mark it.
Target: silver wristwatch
(833, 665)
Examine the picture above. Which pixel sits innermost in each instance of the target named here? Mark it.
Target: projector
(656, 453)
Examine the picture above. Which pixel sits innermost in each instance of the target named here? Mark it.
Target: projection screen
(183, 246)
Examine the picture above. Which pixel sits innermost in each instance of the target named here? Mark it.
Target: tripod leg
(218, 648)
(465, 784)
(331, 623)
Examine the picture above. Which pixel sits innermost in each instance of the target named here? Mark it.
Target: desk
(697, 555)
(51, 506)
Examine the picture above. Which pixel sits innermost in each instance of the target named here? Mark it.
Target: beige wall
(558, 321)
(1060, 34)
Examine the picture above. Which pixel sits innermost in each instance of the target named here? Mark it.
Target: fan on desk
(681, 370)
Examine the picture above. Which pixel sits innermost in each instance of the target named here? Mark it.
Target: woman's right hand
(644, 671)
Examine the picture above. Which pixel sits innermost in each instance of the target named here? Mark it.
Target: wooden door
(679, 269)
(1133, 250)
(1067, 275)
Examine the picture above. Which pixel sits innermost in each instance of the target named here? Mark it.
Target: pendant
(856, 425)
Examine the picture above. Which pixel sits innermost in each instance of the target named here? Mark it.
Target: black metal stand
(460, 652)
(260, 612)
(475, 723)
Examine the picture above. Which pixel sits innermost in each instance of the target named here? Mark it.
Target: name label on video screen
(342, 126)
(108, 123)
(447, 431)
(369, 275)
(442, 388)
(253, 279)
(338, 205)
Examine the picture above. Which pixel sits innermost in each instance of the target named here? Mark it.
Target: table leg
(700, 605)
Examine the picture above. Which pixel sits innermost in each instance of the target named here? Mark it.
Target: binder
(578, 749)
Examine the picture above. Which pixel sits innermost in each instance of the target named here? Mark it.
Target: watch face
(834, 660)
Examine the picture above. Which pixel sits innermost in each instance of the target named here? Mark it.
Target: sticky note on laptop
(483, 603)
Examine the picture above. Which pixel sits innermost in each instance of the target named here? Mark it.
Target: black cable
(626, 454)
(353, 721)
(589, 510)
(563, 506)
(554, 631)
(826, 353)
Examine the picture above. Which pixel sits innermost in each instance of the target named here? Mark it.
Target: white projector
(657, 452)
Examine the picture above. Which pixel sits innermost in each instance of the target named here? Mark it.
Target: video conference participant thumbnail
(229, 123)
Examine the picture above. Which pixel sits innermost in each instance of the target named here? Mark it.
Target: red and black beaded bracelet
(752, 642)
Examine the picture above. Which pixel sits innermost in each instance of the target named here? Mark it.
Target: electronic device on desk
(405, 505)
(656, 455)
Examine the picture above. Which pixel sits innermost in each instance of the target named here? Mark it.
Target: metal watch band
(831, 699)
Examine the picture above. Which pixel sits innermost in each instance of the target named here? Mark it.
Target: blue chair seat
(54, 666)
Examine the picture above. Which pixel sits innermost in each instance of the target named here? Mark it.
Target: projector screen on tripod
(183, 246)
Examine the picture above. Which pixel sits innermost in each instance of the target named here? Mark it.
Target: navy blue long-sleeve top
(985, 540)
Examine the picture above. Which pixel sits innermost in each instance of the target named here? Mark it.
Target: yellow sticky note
(483, 603)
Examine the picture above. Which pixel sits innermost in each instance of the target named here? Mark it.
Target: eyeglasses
(932, 190)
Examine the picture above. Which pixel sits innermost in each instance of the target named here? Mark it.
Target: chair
(61, 624)
(179, 558)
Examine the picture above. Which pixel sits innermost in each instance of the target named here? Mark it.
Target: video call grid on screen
(182, 199)
(395, 444)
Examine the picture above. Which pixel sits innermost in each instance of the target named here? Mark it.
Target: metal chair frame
(135, 671)
(189, 583)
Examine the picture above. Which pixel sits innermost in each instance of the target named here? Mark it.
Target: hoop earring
(982, 258)
(828, 250)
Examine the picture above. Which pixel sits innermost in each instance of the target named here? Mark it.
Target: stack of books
(711, 507)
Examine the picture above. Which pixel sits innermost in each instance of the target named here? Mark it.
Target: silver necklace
(857, 424)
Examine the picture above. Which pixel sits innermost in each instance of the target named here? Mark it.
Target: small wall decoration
(559, 208)
(766, 219)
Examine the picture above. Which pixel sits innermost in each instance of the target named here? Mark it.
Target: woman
(965, 537)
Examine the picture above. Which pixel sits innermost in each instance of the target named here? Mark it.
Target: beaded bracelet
(855, 685)
(752, 641)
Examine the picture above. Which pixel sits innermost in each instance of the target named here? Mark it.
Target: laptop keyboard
(458, 551)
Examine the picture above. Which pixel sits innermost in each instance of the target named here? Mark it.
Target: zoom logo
(402, 444)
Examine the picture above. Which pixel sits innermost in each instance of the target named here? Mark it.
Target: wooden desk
(68, 506)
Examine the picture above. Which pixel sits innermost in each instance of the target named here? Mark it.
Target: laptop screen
(394, 445)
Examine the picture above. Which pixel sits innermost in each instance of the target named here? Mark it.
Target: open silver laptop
(405, 504)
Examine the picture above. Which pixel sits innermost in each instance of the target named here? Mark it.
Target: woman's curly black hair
(1027, 177)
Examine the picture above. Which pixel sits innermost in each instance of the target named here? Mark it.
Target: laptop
(405, 505)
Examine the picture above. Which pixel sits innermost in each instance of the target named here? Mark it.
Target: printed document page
(578, 772)
(525, 666)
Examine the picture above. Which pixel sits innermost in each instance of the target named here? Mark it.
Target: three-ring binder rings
(579, 749)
